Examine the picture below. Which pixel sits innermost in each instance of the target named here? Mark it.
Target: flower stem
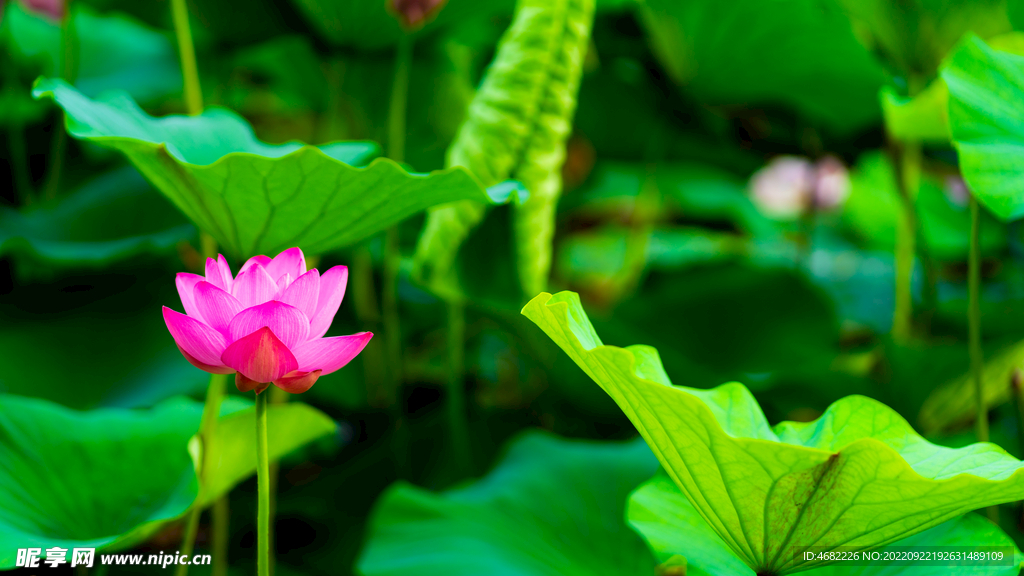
(263, 488)
(392, 250)
(59, 144)
(393, 256)
(974, 323)
(207, 429)
(277, 396)
(189, 68)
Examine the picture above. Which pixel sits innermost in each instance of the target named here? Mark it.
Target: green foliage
(916, 35)
(858, 476)
(730, 54)
(369, 24)
(115, 216)
(551, 507)
(925, 117)
(70, 479)
(516, 127)
(874, 209)
(987, 127)
(673, 528)
(254, 198)
(112, 51)
(952, 403)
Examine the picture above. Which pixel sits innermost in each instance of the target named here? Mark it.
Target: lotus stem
(207, 430)
(458, 426)
(277, 396)
(974, 323)
(263, 488)
(189, 68)
(906, 241)
(221, 519)
(59, 144)
(393, 255)
(392, 248)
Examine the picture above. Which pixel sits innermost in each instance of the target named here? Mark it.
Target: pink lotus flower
(266, 325)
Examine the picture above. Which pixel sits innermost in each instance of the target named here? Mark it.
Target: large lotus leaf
(926, 115)
(115, 216)
(103, 479)
(552, 507)
(516, 126)
(112, 51)
(730, 53)
(231, 457)
(953, 403)
(673, 527)
(858, 476)
(916, 35)
(255, 198)
(986, 87)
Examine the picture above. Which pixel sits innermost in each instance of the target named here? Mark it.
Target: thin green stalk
(458, 427)
(277, 396)
(263, 488)
(189, 68)
(207, 429)
(392, 253)
(59, 144)
(974, 323)
(906, 236)
(974, 335)
(221, 517)
(393, 256)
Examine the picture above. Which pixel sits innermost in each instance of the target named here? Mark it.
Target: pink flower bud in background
(266, 325)
(956, 191)
(52, 8)
(415, 13)
(782, 188)
(832, 183)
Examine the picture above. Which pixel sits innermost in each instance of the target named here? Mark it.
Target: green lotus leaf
(858, 476)
(916, 35)
(952, 403)
(71, 479)
(986, 87)
(926, 115)
(923, 117)
(729, 54)
(232, 455)
(551, 507)
(113, 51)
(673, 527)
(256, 198)
(115, 216)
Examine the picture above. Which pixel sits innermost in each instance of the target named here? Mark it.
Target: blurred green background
(731, 197)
